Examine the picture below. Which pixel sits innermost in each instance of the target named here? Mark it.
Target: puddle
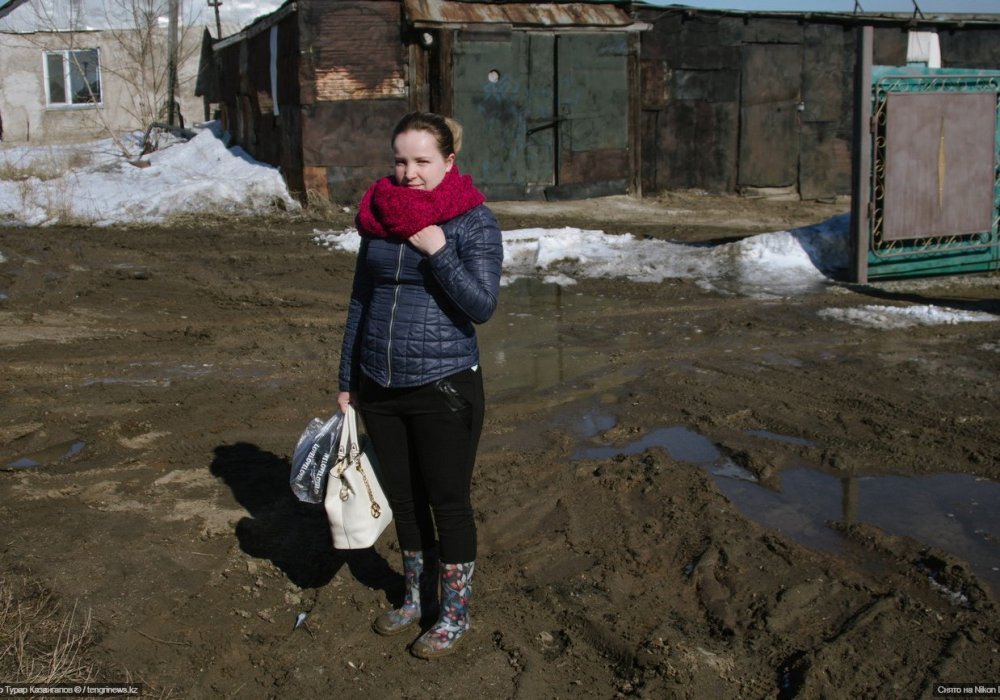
(949, 511)
(126, 381)
(953, 512)
(593, 422)
(24, 463)
(544, 335)
(681, 444)
(56, 453)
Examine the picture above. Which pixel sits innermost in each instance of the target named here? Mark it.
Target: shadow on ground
(293, 535)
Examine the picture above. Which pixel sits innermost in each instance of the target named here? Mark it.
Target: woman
(428, 269)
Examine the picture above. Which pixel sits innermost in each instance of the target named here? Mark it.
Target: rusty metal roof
(906, 20)
(425, 13)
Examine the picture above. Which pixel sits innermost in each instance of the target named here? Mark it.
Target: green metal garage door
(544, 114)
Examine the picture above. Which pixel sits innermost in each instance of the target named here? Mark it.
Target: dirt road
(678, 495)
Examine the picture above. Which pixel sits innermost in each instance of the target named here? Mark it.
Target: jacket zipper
(392, 317)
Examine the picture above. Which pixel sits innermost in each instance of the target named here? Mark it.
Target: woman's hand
(429, 239)
(343, 399)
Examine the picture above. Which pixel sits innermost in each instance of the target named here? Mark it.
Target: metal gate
(544, 114)
(929, 202)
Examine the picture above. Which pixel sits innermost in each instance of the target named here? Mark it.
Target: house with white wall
(73, 70)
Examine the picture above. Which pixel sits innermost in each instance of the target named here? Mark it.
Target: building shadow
(293, 535)
(825, 244)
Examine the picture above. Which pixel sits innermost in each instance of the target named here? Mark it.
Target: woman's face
(419, 163)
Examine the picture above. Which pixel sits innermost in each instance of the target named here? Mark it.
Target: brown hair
(445, 130)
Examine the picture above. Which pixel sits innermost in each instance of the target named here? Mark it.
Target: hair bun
(456, 133)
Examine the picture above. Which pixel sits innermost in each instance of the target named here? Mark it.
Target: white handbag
(355, 504)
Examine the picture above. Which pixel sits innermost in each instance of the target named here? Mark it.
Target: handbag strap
(344, 444)
(350, 441)
(348, 446)
(351, 420)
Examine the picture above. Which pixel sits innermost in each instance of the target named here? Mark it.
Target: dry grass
(39, 642)
(272, 218)
(276, 214)
(47, 164)
(321, 209)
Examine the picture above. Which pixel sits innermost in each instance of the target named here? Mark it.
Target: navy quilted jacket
(411, 316)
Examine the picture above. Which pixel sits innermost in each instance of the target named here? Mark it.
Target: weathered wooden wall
(690, 104)
(728, 105)
(354, 90)
(341, 87)
(741, 102)
(726, 102)
(247, 102)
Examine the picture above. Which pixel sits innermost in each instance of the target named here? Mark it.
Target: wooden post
(218, 20)
(172, 62)
(635, 115)
(861, 157)
(446, 105)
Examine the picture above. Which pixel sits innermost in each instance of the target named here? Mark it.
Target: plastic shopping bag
(313, 456)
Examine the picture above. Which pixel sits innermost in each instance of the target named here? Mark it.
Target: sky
(93, 183)
(100, 14)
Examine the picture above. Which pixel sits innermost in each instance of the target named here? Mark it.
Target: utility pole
(218, 22)
(172, 62)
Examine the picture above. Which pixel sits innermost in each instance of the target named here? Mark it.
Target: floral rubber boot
(454, 623)
(420, 581)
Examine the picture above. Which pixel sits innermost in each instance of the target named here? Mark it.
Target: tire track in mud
(631, 575)
(862, 637)
(819, 607)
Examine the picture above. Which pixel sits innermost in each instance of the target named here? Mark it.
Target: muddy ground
(160, 377)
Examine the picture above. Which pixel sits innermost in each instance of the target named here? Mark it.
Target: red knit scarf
(388, 209)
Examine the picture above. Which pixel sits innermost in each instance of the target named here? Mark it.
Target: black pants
(426, 439)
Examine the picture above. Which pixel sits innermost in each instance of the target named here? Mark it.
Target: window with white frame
(73, 77)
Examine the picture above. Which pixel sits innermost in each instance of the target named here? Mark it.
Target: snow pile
(904, 316)
(200, 175)
(770, 264)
